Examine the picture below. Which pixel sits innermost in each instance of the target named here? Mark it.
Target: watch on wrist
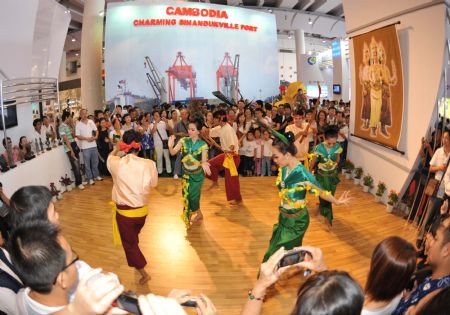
(251, 297)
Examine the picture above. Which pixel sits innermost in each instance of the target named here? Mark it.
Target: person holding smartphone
(4, 215)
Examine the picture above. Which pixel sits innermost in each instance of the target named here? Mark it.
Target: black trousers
(75, 164)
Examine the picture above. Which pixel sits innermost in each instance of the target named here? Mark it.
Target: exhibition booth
(162, 51)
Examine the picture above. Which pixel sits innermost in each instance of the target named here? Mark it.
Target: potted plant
(56, 194)
(381, 189)
(368, 183)
(358, 173)
(66, 183)
(349, 167)
(392, 200)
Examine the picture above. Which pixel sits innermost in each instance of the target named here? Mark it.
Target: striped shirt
(65, 130)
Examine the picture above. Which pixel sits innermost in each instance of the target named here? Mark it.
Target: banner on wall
(176, 51)
(379, 86)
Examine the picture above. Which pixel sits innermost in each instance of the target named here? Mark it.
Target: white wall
(422, 49)
(32, 41)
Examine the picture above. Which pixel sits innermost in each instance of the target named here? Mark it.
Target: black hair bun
(290, 136)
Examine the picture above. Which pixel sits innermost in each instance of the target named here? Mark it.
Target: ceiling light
(101, 13)
(74, 40)
(270, 10)
(76, 54)
(309, 21)
(324, 41)
(289, 35)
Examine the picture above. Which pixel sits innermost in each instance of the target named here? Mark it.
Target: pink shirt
(133, 178)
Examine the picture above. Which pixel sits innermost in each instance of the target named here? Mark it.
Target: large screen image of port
(173, 51)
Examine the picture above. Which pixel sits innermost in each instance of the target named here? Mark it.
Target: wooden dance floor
(220, 257)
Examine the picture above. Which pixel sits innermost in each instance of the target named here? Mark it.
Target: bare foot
(145, 277)
(235, 202)
(327, 223)
(214, 185)
(198, 217)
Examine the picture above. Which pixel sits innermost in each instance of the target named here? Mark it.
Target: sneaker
(175, 176)
(81, 186)
(91, 182)
(84, 183)
(98, 178)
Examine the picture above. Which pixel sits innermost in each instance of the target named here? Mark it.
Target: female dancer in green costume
(325, 163)
(293, 182)
(195, 165)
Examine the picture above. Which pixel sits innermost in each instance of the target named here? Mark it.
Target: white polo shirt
(161, 127)
(439, 158)
(86, 130)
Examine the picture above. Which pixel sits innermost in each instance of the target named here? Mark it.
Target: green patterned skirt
(329, 182)
(289, 231)
(191, 182)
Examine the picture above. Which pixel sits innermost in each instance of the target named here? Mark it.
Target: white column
(91, 55)
(340, 70)
(299, 50)
(337, 67)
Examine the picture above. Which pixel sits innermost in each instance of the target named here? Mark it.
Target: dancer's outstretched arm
(173, 150)
(344, 199)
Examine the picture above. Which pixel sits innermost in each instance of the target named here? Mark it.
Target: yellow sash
(228, 162)
(132, 213)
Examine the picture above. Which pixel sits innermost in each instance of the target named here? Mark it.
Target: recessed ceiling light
(74, 40)
(76, 54)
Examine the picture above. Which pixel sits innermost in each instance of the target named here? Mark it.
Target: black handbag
(164, 142)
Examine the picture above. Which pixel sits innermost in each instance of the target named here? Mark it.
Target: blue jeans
(91, 162)
(265, 166)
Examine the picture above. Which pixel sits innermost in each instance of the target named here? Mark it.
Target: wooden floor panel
(220, 257)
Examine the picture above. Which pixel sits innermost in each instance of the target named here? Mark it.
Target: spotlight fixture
(77, 54)
(309, 21)
(324, 41)
(270, 10)
(290, 35)
(73, 39)
(101, 13)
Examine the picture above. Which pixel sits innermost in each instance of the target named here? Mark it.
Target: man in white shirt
(438, 166)
(45, 261)
(86, 132)
(342, 136)
(331, 118)
(160, 138)
(48, 128)
(300, 130)
(312, 130)
(10, 284)
(39, 132)
(228, 160)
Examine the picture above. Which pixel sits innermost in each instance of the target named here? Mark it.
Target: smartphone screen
(190, 303)
(128, 303)
(293, 258)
